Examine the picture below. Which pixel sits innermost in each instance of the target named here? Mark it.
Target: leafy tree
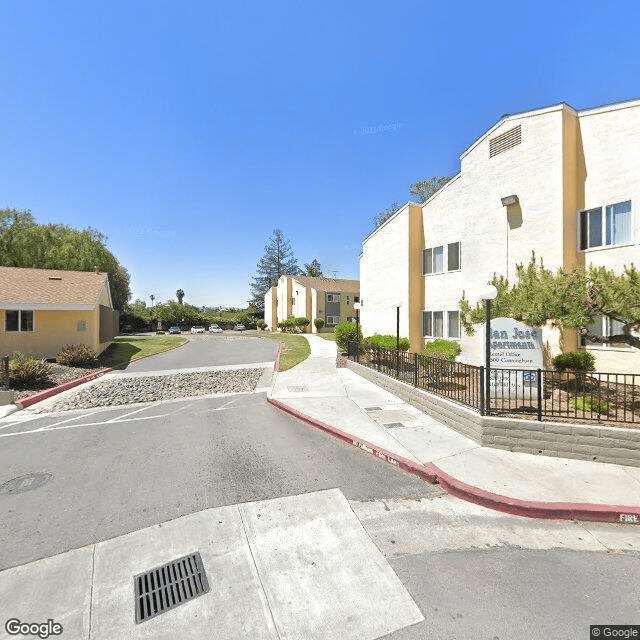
(313, 269)
(385, 214)
(573, 299)
(24, 243)
(278, 259)
(180, 295)
(424, 189)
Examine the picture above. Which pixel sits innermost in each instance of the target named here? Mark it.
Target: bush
(23, 369)
(262, 324)
(294, 324)
(347, 332)
(442, 349)
(386, 342)
(575, 361)
(75, 354)
(591, 405)
(160, 333)
(319, 322)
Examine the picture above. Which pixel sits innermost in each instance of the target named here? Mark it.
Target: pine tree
(278, 259)
(313, 269)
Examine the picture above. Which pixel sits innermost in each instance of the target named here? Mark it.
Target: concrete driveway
(205, 350)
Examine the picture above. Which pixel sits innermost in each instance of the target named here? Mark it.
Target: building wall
(271, 308)
(52, 331)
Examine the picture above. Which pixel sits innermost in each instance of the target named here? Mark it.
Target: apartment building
(556, 181)
(307, 297)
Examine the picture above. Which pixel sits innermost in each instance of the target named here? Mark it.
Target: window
(18, 320)
(82, 325)
(433, 259)
(333, 320)
(427, 323)
(453, 324)
(333, 297)
(356, 298)
(453, 256)
(602, 327)
(347, 299)
(613, 228)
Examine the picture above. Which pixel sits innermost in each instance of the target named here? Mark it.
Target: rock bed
(153, 388)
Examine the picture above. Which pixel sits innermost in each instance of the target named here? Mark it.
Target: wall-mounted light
(509, 200)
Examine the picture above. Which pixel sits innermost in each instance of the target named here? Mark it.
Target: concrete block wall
(599, 443)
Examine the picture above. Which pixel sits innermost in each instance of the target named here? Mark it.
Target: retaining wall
(617, 445)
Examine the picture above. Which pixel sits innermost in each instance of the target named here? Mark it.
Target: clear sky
(186, 131)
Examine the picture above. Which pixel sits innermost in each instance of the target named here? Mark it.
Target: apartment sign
(515, 345)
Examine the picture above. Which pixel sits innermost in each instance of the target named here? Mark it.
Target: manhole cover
(298, 388)
(169, 586)
(25, 483)
(373, 408)
(394, 425)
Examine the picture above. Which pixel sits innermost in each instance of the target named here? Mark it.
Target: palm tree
(180, 295)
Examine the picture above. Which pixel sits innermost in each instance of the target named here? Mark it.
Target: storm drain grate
(393, 425)
(298, 388)
(168, 586)
(373, 408)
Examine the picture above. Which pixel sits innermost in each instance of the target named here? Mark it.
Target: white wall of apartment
(283, 298)
(299, 295)
(384, 277)
(268, 309)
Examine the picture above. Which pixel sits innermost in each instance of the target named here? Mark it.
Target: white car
(197, 329)
(214, 328)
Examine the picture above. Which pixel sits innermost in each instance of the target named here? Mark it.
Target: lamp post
(397, 306)
(488, 293)
(357, 306)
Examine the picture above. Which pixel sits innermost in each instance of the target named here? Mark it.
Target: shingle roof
(20, 285)
(329, 284)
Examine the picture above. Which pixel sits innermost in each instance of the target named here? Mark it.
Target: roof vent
(505, 141)
(54, 278)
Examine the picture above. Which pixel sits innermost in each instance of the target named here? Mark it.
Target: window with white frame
(333, 297)
(15, 320)
(598, 228)
(437, 324)
(433, 258)
(603, 327)
(333, 320)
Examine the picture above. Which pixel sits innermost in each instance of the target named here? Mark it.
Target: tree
(180, 295)
(573, 299)
(424, 189)
(278, 259)
(385, 214)
(24, 243)
(313, 269)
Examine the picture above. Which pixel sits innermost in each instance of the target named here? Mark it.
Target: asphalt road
(208, 350)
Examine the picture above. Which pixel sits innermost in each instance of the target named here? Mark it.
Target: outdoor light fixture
(509, 200)
(357, 306)
(488, 293)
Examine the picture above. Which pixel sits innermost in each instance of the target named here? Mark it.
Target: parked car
(214, 328)
(197, 329)
(239, 327)
(174, 330)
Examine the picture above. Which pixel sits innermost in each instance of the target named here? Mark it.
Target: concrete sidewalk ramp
(292, 568)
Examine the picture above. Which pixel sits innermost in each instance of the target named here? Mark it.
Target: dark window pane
(584, 233)
(438, 259)
(454, 324)
(453, 256)
(595, 228)
(426, 323)
(438, 322)
(427, 258)
(26, 321)
(11, 320)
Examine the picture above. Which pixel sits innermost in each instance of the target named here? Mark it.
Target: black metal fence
(539, 394)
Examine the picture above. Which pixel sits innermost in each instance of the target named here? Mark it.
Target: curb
(514, 506)
(47, 393)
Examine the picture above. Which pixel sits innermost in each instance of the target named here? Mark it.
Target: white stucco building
(562, 183)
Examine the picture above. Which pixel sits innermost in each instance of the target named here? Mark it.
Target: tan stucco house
(307, 297)
(561, 182)
(43, 310)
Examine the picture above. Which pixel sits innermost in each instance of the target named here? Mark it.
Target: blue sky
(188, 131)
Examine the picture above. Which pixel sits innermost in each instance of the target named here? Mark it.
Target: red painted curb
(47, 393)
(454, 487)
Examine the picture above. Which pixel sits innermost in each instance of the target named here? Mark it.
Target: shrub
(319, 322)
(347, 332)
(160, 333)
(294, 324)
(386, 342)
(261, 324)
(75, 354)
(575, 361)
(442, 349)
(591, 405)
(23, 369)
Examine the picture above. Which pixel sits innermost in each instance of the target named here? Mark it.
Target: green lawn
(327, 336)
(295, 347)
(129, 349)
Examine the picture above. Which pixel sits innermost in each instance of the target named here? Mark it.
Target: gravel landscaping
(131, 390)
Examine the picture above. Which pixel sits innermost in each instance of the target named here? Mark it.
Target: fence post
(482, 407)
(539, 395)
(397, 364)
(415, 369)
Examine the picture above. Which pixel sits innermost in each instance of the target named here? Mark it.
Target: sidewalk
(359, 412)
